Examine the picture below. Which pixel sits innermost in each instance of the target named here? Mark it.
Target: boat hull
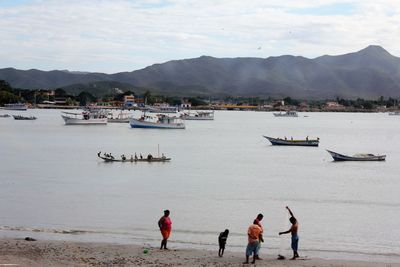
(118, 120)
(282, 142)
(15, 107)
(154, 125)
(287, 114)
(136, 160)
(78, 121)
(23, 118)
(341, 157)
(191, 118)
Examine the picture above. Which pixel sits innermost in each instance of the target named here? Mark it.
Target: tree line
(14, 95)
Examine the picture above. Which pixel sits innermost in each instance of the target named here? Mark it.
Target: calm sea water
(222, 174)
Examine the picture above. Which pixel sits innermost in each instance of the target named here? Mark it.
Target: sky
(124, 35)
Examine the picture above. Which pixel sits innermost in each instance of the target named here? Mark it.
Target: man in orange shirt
(165, 225)
(253, 234)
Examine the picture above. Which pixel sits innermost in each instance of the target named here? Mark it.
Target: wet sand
(18, 252)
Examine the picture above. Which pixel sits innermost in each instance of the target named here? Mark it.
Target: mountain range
(368, 73)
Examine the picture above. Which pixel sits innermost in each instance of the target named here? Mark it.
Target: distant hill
(37, 79)
(368, 73)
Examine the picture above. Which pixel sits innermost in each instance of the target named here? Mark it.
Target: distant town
(60, 99)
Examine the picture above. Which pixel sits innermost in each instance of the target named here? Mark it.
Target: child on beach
(293, 230)
(223, 236)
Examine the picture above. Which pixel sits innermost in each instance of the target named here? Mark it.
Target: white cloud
(111, 36)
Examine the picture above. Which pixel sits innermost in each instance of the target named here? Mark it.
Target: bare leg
(163, 244)
(247, 260)
(222, 253)
(294, 255)
(254, 258)
(219, 252)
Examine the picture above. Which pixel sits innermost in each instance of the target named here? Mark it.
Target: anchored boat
(291, 142)
(287, 114)
(357, 157)
(160, 121)
(198, 115)
(109, 158)
(120, 118)
(15, 106)
(161, 109)
(20, 118)
(84, 118)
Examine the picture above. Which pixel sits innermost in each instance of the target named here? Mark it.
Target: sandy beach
(18, 252)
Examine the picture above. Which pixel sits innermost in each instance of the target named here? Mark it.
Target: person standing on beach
(293, 230)
(165, 225)
(223, 236)
(253, 234)
(258, 222)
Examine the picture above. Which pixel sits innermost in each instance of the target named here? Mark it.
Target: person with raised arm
(294, 231)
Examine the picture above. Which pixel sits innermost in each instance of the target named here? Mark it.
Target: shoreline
(19, 252)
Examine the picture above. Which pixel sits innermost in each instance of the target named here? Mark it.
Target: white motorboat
(26, 118)
(84, 118)
(160, 121)
(15, 106)
(198, 115)
(161, 109)
(358, 157)
(289, 113)
(120, 118)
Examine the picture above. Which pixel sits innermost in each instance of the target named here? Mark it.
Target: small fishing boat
(198, 115)
(4, 116)
(291, 142)
(160, 121)
(84, 118)
(120, 118)
(15, 106)
(357, 157)
(161, 109)
(286, 114)
(25, 118)
(133, 159)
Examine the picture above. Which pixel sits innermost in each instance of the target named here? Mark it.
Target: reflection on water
(222, 174)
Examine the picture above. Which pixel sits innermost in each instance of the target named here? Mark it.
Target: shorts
(295, 242)
(222, 245)
(165, 233)
(252, 248)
